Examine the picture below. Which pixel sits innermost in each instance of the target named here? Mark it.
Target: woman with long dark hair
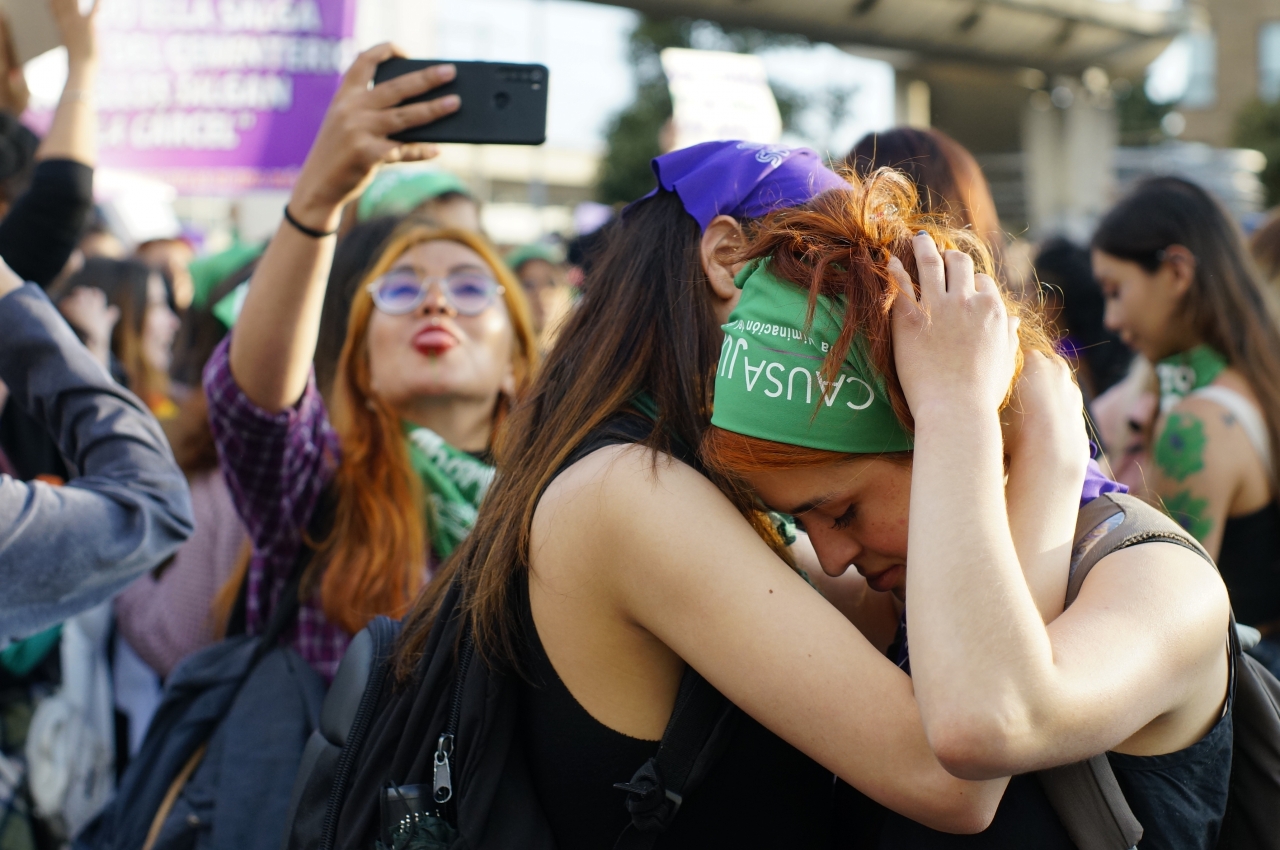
(142, 340)
(438, 346)
(896, 454)
(1182, 291)
(947, 177)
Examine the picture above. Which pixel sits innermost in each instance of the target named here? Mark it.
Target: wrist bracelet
(303, 229)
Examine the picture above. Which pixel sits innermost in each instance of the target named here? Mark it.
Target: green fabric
(22, 656)
(455, 483)
(208, 272)
(1187, 371)
(399, 190)
(769, 383)
(532, 251)
(228, 309)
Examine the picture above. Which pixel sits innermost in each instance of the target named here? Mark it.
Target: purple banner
(218, 96)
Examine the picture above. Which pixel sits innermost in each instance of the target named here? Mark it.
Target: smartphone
(502, 103)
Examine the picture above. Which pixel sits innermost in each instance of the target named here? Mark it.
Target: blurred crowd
(309, 457)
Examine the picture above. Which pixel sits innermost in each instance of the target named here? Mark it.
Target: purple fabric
(743, 179)
(276, 466)
(1097, 484)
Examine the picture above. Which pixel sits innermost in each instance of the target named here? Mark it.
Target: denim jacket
(126, 507)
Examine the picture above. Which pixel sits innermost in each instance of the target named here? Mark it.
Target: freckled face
(854, 512)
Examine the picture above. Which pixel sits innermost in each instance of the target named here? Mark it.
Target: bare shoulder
(623, 501)
(1164, 591)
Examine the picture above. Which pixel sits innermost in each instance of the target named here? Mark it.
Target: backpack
(1086, 795)
(478, 792)
(221, 754)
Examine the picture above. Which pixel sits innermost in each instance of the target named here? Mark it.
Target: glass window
(1202, 81)
(1269, 61)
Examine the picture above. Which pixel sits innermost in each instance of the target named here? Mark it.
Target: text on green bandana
(770, 382)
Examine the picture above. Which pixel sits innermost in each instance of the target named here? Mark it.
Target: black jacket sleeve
(126, 507)
(45, 223)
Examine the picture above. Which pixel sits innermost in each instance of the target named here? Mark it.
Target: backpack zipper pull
(442, 775)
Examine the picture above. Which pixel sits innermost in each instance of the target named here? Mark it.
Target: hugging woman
(899, 446)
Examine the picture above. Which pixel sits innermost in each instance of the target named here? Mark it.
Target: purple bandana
(742, 179)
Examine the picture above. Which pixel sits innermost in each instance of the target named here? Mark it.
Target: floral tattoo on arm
(1190, 513)
(1179, 453)
(1180, 449)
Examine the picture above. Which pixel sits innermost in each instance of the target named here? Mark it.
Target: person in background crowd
(424, 192)
(125, 511)
(42, 223)
(172, 258)
(99, 240)
(439, 344)
(142, 339)
(538, 268)
(1181, 291)
(168, 614)
(905, 477)
(603, 562)
(1075, 307)
(946, 175)
(1264, 246)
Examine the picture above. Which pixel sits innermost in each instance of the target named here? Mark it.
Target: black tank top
(1250, 564)
(762, 792)
(1179, 798)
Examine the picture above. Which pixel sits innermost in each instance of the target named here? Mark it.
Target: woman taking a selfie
(439, 344)
(894, 454)
(1181, 290)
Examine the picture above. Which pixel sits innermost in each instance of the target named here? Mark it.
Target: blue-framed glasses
(402, 291)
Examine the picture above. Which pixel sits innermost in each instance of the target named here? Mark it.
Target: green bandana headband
(455, 483)
(770, 385)
(1187, 371)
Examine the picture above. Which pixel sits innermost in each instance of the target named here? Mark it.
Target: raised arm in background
(45, 223)
(275, 336)
(126, 508)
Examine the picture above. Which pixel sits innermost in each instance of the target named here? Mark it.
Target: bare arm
(74, 130)
(275, 336)
(999, 691)
(874, 614)
(671, 558)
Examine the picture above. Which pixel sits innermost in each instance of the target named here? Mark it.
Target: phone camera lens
(501, 100)
(536, 75)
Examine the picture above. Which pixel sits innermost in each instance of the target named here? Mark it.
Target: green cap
(399, 190)
(532, 251)
(770, 384)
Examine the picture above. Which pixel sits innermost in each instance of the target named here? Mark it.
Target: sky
(584, 46)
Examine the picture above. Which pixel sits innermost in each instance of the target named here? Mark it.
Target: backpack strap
(695, 736)
(1086, 795)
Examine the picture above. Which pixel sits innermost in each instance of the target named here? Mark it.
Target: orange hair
(839, 246)
(372, 561)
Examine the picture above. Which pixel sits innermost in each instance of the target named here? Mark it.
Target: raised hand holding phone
(354, 138)
(275, 335)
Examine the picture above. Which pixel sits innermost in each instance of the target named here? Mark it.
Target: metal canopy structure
(1051, 35)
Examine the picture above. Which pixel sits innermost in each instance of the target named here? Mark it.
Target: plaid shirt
(276, 466)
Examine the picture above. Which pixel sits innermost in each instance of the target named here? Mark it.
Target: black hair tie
(303, 229)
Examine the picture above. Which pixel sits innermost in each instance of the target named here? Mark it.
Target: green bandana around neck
(770, 383)
(455, 483)
(1186, 372)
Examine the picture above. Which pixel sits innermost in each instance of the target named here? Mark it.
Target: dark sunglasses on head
(402, 291)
